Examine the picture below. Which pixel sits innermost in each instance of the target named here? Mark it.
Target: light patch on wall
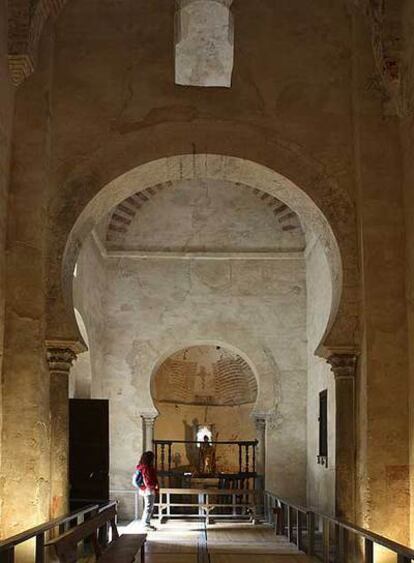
(202, 432)
(204, 48)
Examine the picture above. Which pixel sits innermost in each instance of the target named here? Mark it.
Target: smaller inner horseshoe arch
(204, 389)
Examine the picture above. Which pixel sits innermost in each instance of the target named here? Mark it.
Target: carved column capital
(343, 365)
(60, 360)
(149, 418)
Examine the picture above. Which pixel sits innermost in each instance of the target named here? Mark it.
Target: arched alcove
(238, 171)
(262, 237)
(204, 386)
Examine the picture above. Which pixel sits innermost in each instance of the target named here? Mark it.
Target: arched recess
(262, 365)
(325, 211)
(204, 389)
(340, 330)
(96, 186)
(266, 373)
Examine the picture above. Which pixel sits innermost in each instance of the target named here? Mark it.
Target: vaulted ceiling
(124, 214)
(205, 375)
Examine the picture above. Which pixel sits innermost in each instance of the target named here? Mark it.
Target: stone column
(148, 421)
(260, 424)
(60, 360)
(344, 368)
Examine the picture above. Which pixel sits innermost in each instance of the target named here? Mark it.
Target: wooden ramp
(193, 542)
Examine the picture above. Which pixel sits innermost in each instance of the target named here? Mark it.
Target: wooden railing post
(8, 555)
(368, 551)
(40, 548)
(42, 532)
(278, 520)
(342, 546)
(298, 530)
(290, 523)
(326, 540)
(162, 457)
(254, 458)
(169, 457)
(310, 516)
(335, 532)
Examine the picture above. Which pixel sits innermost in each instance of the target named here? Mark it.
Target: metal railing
(40, 533)
(326, 537)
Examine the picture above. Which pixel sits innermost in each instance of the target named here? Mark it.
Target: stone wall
(156, 306)
(320, 478)
(407, 145)
(6, 114)
(26, 431)
(382, 378)
(106, 102)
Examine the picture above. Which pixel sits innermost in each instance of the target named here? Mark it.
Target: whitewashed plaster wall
(89, 283)
(320, 479)
(80, 377)
(146, 309)
(213, 215)
(154, 306)
(6, 117)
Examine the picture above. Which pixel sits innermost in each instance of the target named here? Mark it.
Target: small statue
(207, 463)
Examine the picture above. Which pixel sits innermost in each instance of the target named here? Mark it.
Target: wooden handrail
(396, 547)
(45, 527)
(403, 552)
(296, 506)
(233, 443)
(201, 491)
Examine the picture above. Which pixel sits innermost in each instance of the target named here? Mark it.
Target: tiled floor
(184, 542)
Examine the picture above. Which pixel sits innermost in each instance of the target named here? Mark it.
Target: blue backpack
(137, 479)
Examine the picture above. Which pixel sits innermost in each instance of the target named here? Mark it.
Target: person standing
(148, 487)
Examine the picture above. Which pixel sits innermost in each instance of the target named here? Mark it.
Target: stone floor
(190, 542)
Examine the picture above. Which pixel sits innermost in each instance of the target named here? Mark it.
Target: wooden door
(88, 451)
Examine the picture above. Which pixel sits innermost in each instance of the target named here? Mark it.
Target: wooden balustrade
(326, 537)
(246, 453)
(230, 503)
(39, 533)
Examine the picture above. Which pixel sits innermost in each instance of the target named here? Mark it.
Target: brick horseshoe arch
(125, 212)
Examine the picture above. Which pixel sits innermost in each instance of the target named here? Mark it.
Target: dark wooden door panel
(88, 451)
